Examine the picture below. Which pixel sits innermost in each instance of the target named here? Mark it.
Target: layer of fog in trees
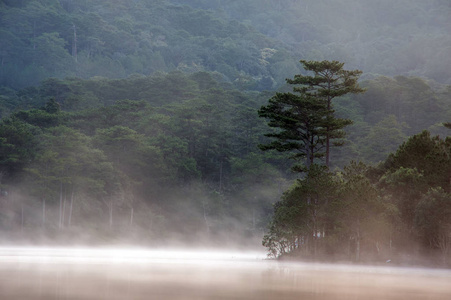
(136, 122)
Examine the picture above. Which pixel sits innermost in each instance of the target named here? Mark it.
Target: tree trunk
(253, 219)
(449, 186)
(64, 212)
(111, 214)
(22, 221)
(314, 225)
(205, 217)
(61, 206)
(34, 35)
(391, 242)
(329, 108)
(327, 148)
(220, 176)
(357, 250)
(74, 45)
(310, 150)
(350, 244)
(109, 205)
(70, 208)
(43, 212)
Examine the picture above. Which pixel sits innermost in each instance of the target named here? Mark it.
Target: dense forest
(255, 45)
(137, 121)
(186, 164)
(399, 209)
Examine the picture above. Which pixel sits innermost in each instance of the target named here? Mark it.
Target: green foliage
(328, 82)
(307, 120)
(19, 144)
(382, 139)
(386, 38)
(404, 188)
(68, 157)
(302, 218)
(362, 211)
(89, 38)
(414, 104)
(433, 220)
(42, 39)
(370, 213)
(299, 120)
(427, 153)
(117, 161)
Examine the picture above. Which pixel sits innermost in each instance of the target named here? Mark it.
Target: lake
(107, 273)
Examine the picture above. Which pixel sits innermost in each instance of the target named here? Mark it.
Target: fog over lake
(63, 273)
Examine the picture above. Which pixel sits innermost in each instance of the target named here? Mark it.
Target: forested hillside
(52, 38)
(183, 161)
(403, 37)
(253, 44)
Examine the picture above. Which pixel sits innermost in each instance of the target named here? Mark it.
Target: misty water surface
(37, 273)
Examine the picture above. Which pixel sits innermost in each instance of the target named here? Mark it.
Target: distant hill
(114, 39)
(252, 44)
(402, 37)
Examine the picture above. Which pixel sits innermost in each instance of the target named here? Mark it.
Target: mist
(43, 273)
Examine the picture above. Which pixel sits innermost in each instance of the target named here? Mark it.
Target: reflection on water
(38, 273)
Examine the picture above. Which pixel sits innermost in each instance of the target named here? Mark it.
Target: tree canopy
(307, 119)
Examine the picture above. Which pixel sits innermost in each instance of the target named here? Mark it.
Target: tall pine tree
(306, 119)
(300, 122)
(329, 81)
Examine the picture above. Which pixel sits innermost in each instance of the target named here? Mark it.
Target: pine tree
(306, 119)
(300, 120)
(329, 81)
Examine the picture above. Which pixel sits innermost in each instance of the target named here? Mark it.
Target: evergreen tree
(300, 120)
(307, 119)
(328, 82)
